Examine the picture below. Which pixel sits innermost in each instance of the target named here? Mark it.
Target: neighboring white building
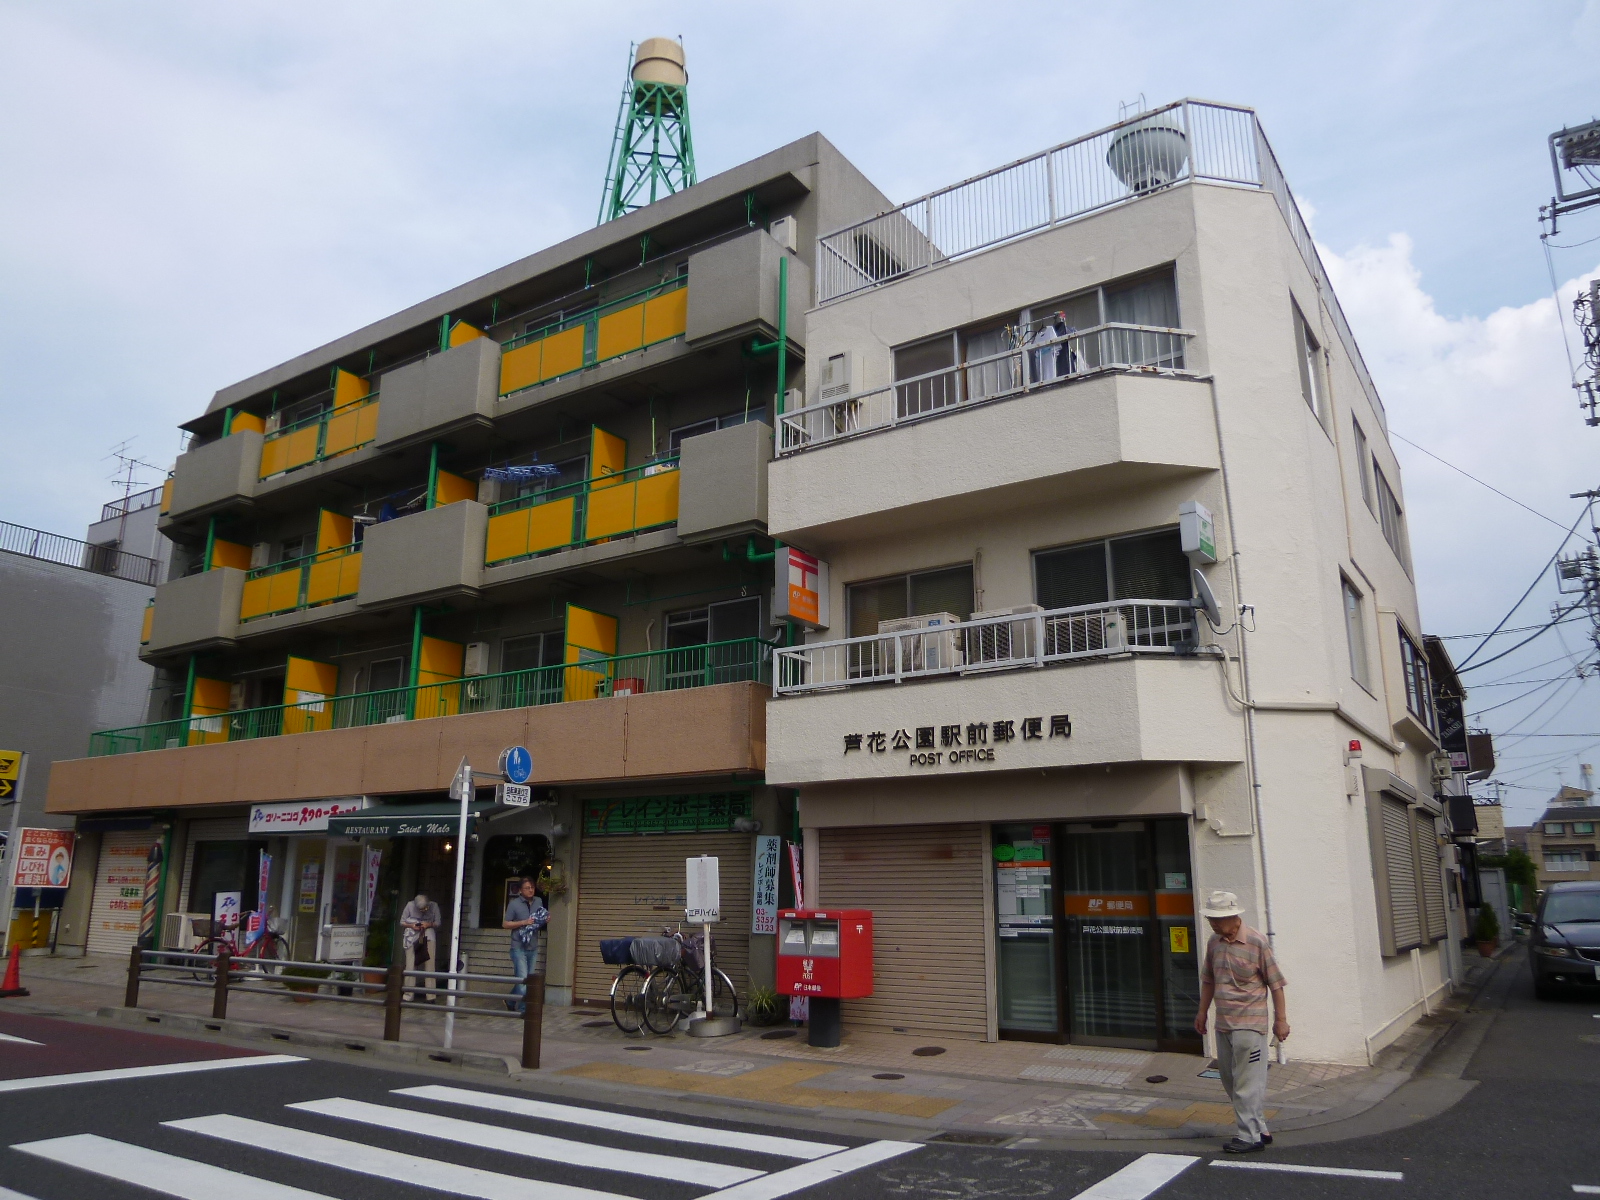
(1017, 388)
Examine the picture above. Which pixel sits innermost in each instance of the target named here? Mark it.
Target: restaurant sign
(305, 816)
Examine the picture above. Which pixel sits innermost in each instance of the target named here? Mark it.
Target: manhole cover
(888, 1075)
(1155, 1078)
(929, 1052)
(596, 1024)
(777, 1035)
(974, 1139)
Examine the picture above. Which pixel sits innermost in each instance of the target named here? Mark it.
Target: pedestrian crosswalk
(517, 1152)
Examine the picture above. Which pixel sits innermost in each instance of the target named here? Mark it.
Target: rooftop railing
(1190, 140)
(71, 552)
(744, 660)
(1033, 363)
(1032, 639)
(131, 504)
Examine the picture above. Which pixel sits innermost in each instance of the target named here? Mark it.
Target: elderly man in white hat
(1238, 972)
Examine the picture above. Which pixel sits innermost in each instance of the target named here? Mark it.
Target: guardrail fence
(1031, 363)
(73, 552)
(993, 643)
(224, 975)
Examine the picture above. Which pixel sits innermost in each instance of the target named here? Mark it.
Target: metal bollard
(219, 996)
(532, 1021)
(130, 998)
(394, 988)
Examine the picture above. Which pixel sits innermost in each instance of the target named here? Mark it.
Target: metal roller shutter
(1432, 882)
(1399, 849)
(924, 886)
(631, 886)
(118, 891)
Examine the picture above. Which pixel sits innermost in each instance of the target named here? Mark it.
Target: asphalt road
(224, 1123)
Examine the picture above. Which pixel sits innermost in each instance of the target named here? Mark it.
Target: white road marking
(1587, 1189)
(532, 1145)
(7, 1194)
(792, 1179)
(384, 1164)
(1140, 1178)
(6, 1037)
(674, 1131)
(164, 1173)
(209, 1064)
(1296, 1169)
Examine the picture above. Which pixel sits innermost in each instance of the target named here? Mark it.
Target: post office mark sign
(958, 744)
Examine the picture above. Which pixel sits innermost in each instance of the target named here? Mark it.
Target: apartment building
(1052, 416)
(531, 510)
(1562, 841)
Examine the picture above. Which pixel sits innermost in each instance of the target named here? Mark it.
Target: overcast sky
(194, 192)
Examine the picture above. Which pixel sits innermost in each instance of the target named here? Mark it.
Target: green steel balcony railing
(744, 660)
(591, 510)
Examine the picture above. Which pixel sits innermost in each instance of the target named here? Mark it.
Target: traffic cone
(13, 984)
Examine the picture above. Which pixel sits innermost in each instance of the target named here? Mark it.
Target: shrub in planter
(765, 1007)
(1486, 930)
(304, 979)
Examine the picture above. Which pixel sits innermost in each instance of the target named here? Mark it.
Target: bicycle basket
(614, 951)
(655, 952)
(694, 952)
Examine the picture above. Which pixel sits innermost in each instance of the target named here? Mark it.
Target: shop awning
(408, 820)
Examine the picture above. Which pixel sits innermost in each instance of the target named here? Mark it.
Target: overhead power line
(1510, 612)
(1474, 478)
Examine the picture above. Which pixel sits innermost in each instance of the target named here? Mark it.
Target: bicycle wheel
(724, 999)
(628, 994)
(269, 948)
(663, 1001)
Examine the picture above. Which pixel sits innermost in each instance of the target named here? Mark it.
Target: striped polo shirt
(1243, 972)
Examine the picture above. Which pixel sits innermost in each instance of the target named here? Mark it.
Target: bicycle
(268, 944)
(672, 993)
(627, 989)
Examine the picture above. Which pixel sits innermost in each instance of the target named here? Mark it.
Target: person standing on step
(1238, 973)
(525, 916)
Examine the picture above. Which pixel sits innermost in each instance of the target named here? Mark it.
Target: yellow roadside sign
(10, 763)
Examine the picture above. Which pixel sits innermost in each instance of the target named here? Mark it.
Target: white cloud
(1490, 395)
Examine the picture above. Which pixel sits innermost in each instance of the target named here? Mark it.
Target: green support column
(416, 662)
(433, 471)
(188, 700)
(211, 541)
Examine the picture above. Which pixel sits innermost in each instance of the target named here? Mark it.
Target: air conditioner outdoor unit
(1441, 767)
(1004, 640)
(476, 660)
(260, 555)
(177, 931)
(935, 647)
(274, 422)
(787, 232)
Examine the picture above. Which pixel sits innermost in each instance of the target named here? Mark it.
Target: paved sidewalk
(962, 1091)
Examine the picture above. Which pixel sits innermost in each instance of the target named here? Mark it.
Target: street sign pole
(463, 787)
(9, 892)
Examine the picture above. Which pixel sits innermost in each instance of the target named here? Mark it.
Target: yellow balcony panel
(530, 530)
(334, 576)
(563, 352)
(611, 510)
(666, 316)
(146, 624)
(275, 593)
(519, 368)
(658, 499)
(354, 425)
(507, 537)
(620, 332)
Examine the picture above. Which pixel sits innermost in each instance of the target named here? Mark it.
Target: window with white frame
(1389, 514)
(1364, 465)
(676, 436)
(1566, 858)
(1419, 684)
(1309, 352)
(1355, 632)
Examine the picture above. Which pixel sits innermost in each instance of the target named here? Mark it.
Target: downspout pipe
(782, 344)
(211, 543)
(750, 552)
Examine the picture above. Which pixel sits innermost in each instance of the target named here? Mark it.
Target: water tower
(1149, 153)
(652, 154)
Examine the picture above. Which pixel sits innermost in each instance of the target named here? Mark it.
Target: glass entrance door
(1025, 941)
(1110, 938)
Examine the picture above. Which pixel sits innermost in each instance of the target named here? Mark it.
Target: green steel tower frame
(652, 152)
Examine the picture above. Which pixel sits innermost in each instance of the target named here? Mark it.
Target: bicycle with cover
(677, 986)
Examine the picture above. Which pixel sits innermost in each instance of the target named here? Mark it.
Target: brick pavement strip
(1027, 1087)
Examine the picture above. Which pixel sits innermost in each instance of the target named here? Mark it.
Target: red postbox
(825, 953)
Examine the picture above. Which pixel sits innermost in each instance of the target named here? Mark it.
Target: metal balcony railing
(86, 556)
(132, 504)
(1032, 363)
(745, 660)
(591, 510)
(990, 644)
(1214, 143)
(305, 582)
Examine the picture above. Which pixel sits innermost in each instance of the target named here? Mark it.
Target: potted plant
(303, 980)
(1486, 931)
(764, 1007)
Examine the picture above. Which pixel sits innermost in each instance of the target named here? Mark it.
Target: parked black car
(1565, 948)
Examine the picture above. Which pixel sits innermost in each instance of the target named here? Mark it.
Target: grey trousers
(1242, 1063)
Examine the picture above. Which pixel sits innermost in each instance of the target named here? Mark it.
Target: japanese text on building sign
(44, 858)
(764, 895)
(310, 816)
(972, 741)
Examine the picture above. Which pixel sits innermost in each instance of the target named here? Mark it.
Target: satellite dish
(1207, 600)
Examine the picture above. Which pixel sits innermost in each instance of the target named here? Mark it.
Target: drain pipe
(1244, 675)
